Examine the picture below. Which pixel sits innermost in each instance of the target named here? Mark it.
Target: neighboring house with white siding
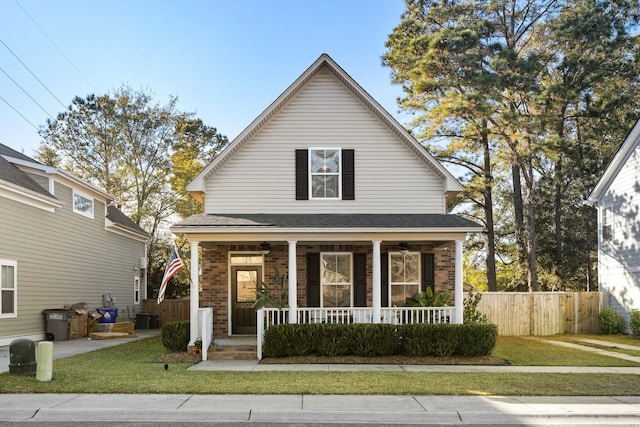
(60, 244)
(617, 199)
(329, 188)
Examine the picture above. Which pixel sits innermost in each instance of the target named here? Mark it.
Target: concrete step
(228, 351)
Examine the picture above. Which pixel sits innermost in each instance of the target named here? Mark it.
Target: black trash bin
(143, 320)
(58, 322)
(22, 357)
(147, 321)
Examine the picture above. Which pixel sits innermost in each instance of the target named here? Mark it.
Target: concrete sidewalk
(312, 410)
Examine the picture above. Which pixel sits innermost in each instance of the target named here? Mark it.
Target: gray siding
(619, 260)
(260, 176)
(63, 258)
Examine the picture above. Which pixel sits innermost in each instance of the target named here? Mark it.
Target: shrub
(477, 339)
(175, 335)
(611, 322)
(374, 340)
(333, 339)
(430, 339)
(290, 340)
(471, 313)
(634, 322)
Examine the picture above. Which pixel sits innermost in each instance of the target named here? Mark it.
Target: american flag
(173, 265)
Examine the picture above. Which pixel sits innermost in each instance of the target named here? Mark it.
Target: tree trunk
(557, 206)
(490, 240)
(518, 209)
(532, 246)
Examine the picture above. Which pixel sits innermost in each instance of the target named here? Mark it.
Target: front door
(244, 284)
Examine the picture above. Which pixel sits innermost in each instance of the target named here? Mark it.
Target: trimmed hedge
(370, 340)
(175, 335)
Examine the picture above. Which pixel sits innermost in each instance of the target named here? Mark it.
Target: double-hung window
(404, 276)
(325, 167)
(336, 279)
(8, 288)
(325, 173)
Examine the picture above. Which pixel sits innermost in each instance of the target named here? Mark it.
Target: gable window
(8, 283)
(325, 174)
(404, 276)
(82, 204)
(607, 224)
(336, 279)
(324, 167)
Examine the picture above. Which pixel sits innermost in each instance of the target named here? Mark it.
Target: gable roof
(618, 161)
(451, 183)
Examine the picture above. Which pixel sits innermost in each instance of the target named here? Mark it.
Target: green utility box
(22, 357)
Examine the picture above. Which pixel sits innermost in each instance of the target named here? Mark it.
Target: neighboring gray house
(617, 198)
(61, 244)
(328, 187)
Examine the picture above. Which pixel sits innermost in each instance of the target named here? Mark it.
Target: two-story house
(329, 188)
(61, 243)
(617, 199)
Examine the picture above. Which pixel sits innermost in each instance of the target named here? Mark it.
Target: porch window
(336, 279)
(404, 276)
(8, 283)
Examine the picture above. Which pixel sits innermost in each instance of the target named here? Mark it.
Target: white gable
(325, 108)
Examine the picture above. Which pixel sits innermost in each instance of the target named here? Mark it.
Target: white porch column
(194, 298)
(376, 285)
(293, 282)
(458, 284)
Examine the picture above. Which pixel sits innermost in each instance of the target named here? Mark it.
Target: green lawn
(130, 368)
(534, 351)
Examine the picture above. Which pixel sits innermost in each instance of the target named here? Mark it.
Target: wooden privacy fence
(543, 313)
(169, 310)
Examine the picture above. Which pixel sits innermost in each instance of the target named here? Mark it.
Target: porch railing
(395, 316)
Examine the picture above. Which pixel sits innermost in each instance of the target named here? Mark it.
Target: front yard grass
(131, 368)
(534, 351)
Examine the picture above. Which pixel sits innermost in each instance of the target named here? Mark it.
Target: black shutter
(384, 279)
(348, 175)
(313, 280)
(428, 272)
(360, 280)
(302, 175)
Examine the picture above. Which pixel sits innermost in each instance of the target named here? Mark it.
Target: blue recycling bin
(109, 314)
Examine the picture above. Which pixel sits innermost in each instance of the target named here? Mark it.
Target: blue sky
(226, 61)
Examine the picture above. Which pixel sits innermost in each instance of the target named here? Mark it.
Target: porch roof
(398, 222)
